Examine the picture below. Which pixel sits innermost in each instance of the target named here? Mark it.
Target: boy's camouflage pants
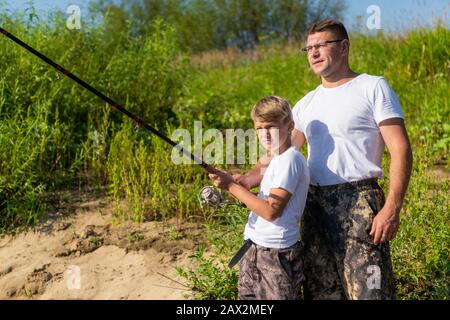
(341, 261)
(271, 274)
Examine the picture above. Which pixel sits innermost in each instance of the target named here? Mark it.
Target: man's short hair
(272, 109)
(336, 27)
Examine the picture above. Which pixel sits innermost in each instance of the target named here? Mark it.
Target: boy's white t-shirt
(290, 172)
(341, 127)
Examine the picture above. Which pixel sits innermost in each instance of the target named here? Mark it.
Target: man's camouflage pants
(271, 274)
(341, 261)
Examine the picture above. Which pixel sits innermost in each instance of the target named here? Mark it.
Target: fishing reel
(211, 196)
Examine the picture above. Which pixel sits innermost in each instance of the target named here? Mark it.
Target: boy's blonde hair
(272, 109)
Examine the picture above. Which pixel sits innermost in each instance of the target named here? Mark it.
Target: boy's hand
(221, 179)
(242, 180)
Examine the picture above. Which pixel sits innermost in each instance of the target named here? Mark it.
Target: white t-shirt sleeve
(288, 172)
(386, 102)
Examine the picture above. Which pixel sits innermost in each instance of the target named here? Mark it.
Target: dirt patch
(93, 237)
(37, 280)
(440, 173)
(130, 261)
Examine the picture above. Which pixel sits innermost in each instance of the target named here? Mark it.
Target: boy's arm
(269, 209)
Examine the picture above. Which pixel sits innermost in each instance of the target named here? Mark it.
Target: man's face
(326, 59)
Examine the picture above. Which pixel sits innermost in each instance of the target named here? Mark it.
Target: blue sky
(399, 15)
(395, 15)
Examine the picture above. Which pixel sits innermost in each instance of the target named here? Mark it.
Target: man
(347, 223)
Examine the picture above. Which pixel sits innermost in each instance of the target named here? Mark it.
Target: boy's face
(272, 135)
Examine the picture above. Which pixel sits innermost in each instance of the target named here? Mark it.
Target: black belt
(238, 256)
(360, 184)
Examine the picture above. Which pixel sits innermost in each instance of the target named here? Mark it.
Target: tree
(216, 24)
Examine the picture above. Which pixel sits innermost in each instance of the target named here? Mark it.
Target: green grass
(52, 132)
(210, 278)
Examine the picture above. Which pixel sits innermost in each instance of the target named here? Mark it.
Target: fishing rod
(141, 123)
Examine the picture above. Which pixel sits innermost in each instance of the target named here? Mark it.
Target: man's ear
(345, 47)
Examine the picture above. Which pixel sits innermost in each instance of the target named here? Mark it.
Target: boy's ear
(291, 125)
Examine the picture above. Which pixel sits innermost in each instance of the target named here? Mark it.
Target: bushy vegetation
(217, 24)
(53, 132)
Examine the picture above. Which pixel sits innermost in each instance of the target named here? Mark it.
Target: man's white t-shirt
(341, 127)
(290, 172)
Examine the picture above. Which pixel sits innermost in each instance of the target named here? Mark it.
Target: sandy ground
(82, 256)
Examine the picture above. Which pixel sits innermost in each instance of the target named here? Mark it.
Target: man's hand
(221, 179)
(385, 225)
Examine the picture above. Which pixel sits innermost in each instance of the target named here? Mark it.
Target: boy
(272, 266)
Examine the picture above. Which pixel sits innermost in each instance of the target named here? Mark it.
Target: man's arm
(386, 222)
(298, 139)
(253, 178)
